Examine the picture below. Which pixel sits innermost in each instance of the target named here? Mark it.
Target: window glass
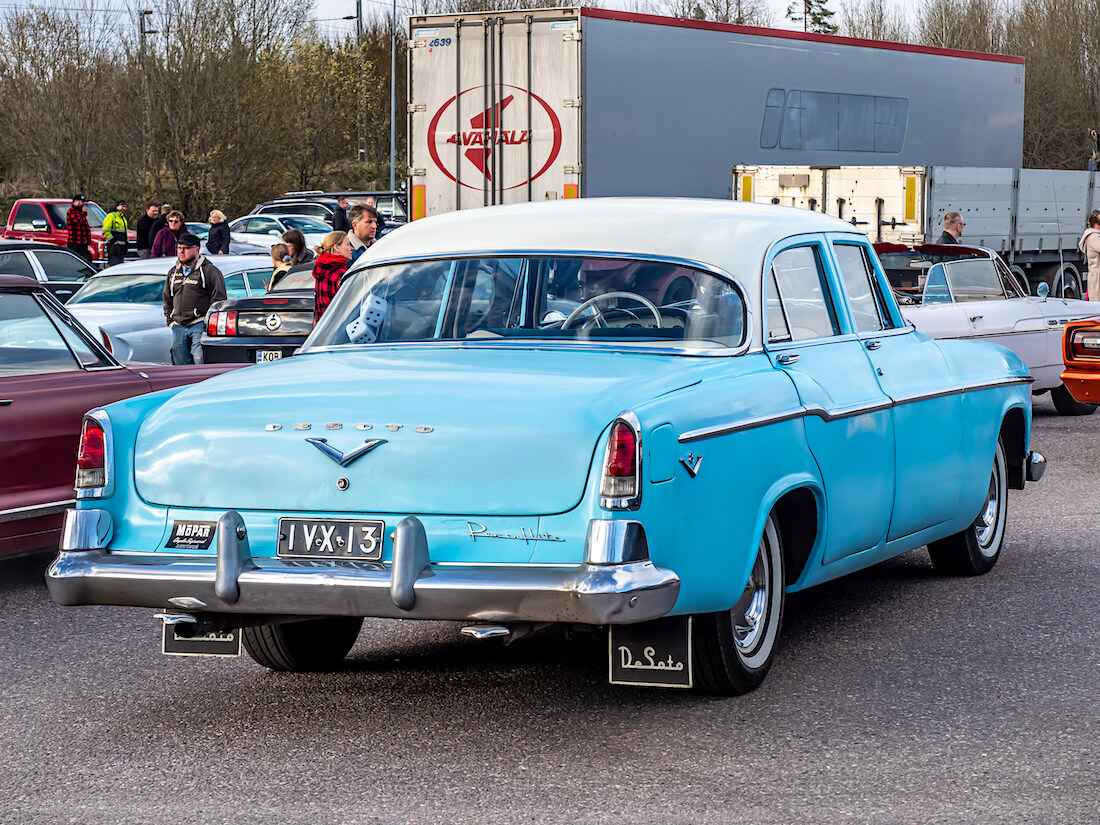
(1013, 284)
(300, 279)
(777, 323)
(234, 286)
(974, 280)
(655, 303)
(807, 305)
(258, 280)
(16, 263)
(77, 343)
(29, 343)
(63, 266)
(95, 214)
(123, 289)
(305, 225)
(773, 113)
(935, 286)
(26, 215)
(859, 283)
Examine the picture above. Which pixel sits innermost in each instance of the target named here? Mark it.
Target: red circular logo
(479, 140)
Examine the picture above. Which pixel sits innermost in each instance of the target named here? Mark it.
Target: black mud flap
(651, 654)
(222, 643)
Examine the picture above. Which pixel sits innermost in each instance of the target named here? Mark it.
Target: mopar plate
(348, 539)
(227, 643)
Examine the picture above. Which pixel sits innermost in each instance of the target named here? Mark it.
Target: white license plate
(268, 355)
(348, 539)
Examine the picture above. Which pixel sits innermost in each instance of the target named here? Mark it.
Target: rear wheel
(734, 649)
(976, 549)
(1066, 404)
(310, 645)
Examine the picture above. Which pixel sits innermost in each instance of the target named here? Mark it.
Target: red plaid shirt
(77, 223)
(328, 270)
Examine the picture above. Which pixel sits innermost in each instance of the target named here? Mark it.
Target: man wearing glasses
(953, 224)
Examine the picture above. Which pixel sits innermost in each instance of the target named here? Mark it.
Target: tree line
(222, 103)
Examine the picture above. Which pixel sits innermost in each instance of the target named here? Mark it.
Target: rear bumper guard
(616, 584)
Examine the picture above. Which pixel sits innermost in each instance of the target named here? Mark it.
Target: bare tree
(874, 20)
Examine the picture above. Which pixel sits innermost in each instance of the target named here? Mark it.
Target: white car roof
(226, 264)
(730, 235)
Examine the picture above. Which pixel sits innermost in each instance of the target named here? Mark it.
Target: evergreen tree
(814, 16)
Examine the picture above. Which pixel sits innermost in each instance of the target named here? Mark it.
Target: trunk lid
(467, 430)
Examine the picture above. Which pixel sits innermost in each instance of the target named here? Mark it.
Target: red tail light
(222, 323)
(91, 458)
(619, 487)
(1085, 343)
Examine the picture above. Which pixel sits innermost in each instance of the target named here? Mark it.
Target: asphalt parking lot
(899, 696)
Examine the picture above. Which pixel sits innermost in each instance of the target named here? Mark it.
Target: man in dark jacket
(192, 285)
(160, 223)
(953, 224)
(80, 234)
(144, 228)
(340, 216)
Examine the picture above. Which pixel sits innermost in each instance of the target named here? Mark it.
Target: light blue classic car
(653, 416)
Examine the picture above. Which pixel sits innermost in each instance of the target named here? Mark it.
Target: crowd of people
(195, 282)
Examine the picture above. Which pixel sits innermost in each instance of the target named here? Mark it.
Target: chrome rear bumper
(617, 584)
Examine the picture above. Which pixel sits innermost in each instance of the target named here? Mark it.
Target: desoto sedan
(506, 418)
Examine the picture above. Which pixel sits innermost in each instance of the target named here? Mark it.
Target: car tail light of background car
(620, 487)
(91, 458)
(222, 323)
(1085, 343)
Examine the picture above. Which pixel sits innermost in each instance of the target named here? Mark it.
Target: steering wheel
(591, 302)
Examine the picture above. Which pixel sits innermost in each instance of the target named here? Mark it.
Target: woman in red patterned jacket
(333, 257)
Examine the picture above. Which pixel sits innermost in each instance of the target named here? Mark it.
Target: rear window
(125, 289)
(566, 299)
(302, 279)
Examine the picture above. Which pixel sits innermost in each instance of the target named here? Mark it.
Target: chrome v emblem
(344, 459)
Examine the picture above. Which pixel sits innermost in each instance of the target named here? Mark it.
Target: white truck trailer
(523, 105)
(1032, 217)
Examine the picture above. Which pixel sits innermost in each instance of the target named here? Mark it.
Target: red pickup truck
(43, 219)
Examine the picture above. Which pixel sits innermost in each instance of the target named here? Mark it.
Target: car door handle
(6, 402)
(976, 317)
(872, 344)
(787, 358)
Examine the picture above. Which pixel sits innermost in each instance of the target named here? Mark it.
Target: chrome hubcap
(750, 611)
(986, 525)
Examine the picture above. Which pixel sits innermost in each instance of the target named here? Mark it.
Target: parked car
(43, 219)
(1081, 353)
(969, 292)
(390, 204)
(59, 270)
(267, 230)
(202, 232)
(123, 306)
(477, 431)
(259, 328)
(53, 371)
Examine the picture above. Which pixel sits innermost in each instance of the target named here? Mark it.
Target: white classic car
(969, 292)
(123, 306)
(267, 230)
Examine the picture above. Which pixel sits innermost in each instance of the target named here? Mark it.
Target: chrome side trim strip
(36, 510)
(840, 412)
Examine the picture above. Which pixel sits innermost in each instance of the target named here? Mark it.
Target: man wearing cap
(192, 285)
(115, 229)
(80, 234)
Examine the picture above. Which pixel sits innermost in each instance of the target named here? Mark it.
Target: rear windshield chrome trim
(840, 413)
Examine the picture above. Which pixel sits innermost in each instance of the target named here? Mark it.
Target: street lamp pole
(142, 14)
(393, 93)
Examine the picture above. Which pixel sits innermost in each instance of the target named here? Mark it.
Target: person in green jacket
(115, 228)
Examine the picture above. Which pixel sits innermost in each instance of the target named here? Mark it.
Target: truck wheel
(735, 648)
(976, 549)
(310, 645)
(1066, 404)
(1066, 282)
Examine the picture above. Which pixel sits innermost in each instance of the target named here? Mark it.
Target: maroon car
(52, 372)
